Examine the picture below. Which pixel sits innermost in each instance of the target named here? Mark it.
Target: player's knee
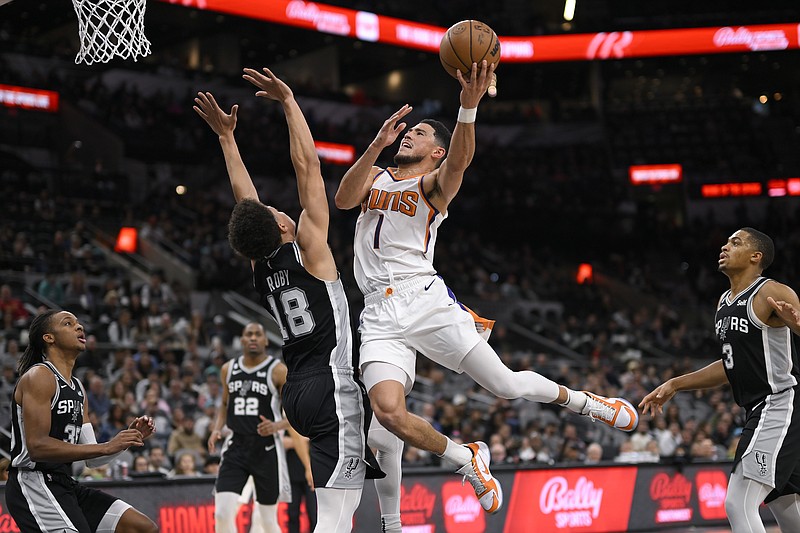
(505, 390)
(733, 505)
(225, 513)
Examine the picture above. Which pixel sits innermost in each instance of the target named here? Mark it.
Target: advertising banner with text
(611, 498)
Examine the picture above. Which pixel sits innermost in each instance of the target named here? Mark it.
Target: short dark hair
(762, 243)
(253, 230)
(441, 135)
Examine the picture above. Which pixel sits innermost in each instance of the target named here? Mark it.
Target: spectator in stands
(184, 437)
(140, 465)
(594, 453)
(50, 288)
(97, 396)
(92, 357)
(185, 465)
(159, 462)
(157, 291)
(11, 308)
(121, 330)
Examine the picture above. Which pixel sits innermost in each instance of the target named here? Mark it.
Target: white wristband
(467, 115)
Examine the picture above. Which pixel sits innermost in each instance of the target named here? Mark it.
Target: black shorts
(250, 455)
(332, 409)
(768, 449)
(46, 502)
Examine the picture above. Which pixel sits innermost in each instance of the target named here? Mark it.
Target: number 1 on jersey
(376, 243)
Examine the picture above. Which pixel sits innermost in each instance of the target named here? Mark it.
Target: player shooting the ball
(409, 309)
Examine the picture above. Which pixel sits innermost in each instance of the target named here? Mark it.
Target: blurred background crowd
(546, 192)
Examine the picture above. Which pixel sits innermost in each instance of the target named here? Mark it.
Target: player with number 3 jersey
(755, 324)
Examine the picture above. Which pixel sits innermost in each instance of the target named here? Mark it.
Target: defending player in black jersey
(295, 273)
(251, 409)
(48, 433)
(754, 324)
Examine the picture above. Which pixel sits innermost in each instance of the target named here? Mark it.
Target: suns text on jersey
(404, 202)
(277, 280)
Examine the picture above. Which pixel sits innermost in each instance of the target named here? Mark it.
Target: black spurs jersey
(313, 314)
(251, 392)
(66, 419)
(759, 360)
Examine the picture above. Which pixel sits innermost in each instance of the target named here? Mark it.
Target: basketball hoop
(109, 28)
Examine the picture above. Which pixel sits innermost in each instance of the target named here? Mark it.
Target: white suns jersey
(395, 233)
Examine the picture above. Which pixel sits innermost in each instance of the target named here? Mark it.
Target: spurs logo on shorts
(763, 460)
(352, 464)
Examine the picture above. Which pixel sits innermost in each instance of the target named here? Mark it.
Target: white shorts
(416, 315)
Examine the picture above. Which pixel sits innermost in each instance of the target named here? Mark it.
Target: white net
(109, 28)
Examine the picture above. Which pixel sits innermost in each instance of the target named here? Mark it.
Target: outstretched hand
(476, 84)
(654, 402)
(271, 86)
(391, 128)
(785, 311)
(222, 123)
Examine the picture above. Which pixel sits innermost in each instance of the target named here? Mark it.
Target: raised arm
(462, 143)
(223, 124)
(357, 180)
(312, 226)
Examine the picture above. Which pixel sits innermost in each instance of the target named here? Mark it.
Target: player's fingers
(269, 72)
(212, 100)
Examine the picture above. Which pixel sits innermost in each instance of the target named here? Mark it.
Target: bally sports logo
(573, 506)
(712, 487)
(462, 511)
(753, 40)
(673, 495)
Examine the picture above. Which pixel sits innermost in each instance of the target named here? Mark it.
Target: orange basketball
(468, 42)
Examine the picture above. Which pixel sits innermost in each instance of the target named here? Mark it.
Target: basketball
(468, 42)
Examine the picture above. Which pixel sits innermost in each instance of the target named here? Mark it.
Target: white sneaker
(616, 412)
(487, 488)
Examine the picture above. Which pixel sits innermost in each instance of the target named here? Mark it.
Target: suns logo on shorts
(763, 460)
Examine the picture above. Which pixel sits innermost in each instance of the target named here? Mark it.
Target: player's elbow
(342, 201)
(37, 450)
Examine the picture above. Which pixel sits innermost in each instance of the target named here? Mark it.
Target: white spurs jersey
(395, 233)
